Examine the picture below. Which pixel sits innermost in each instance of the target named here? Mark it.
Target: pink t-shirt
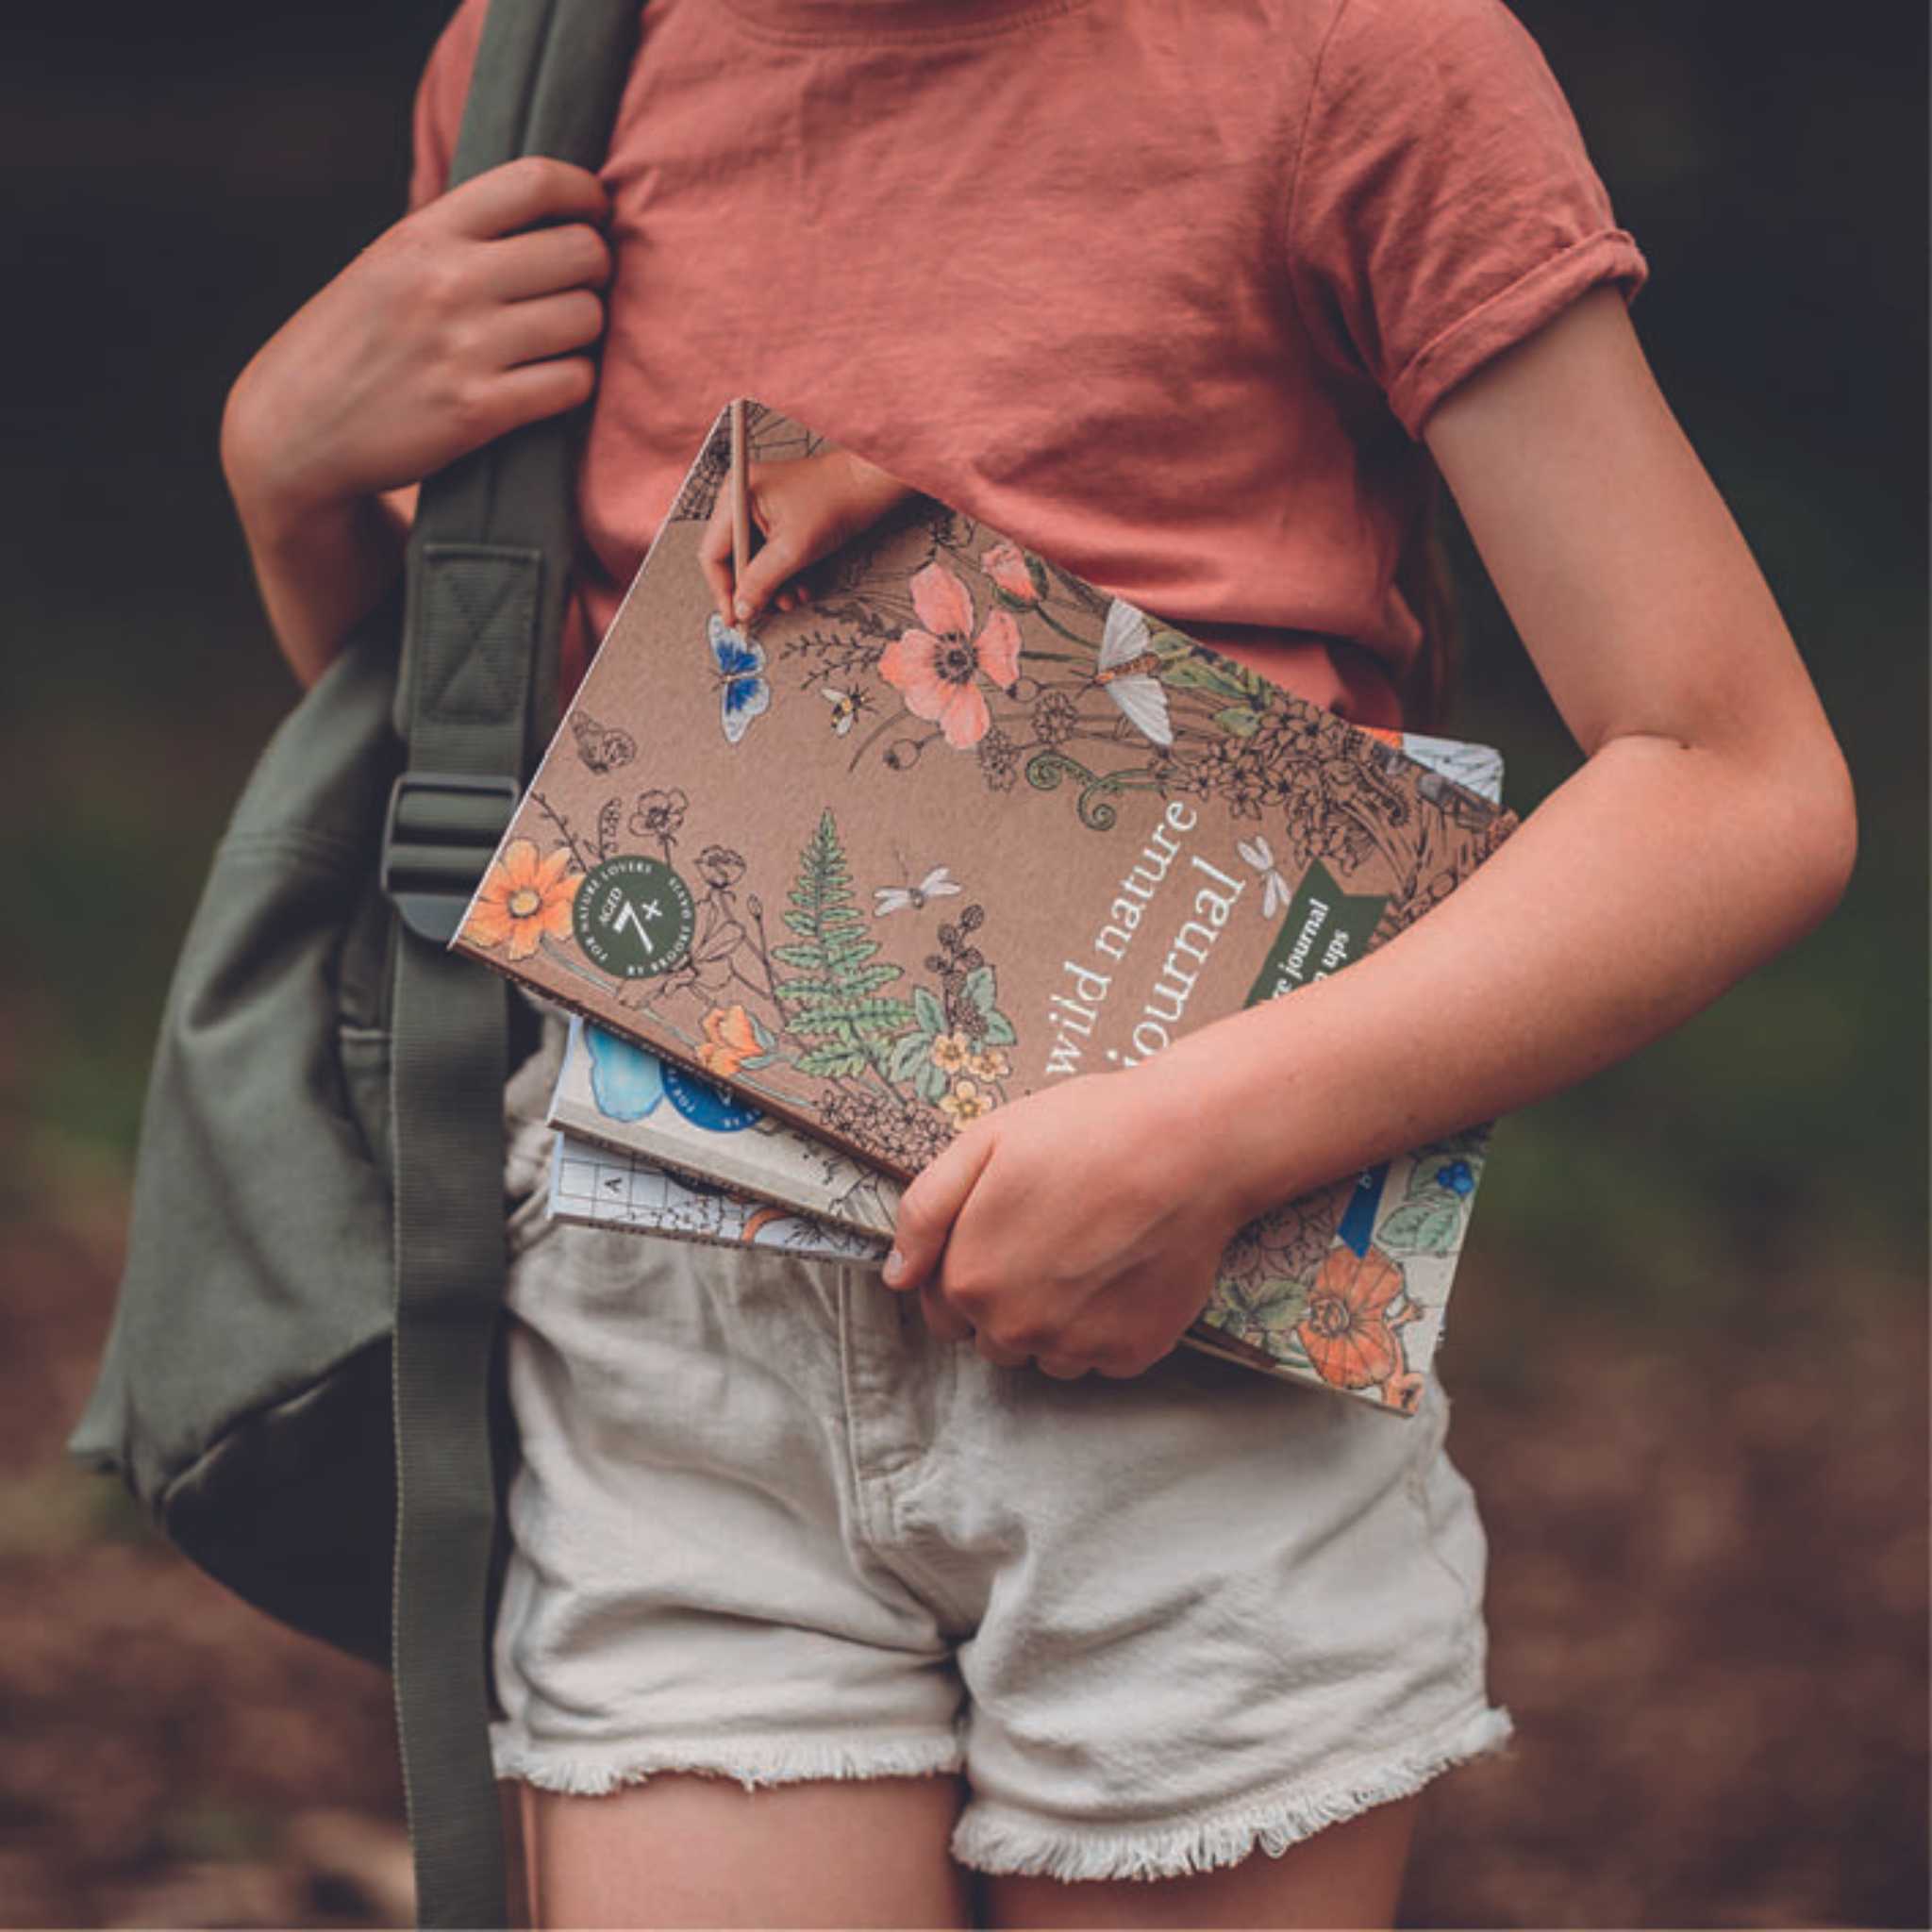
(1165, 292)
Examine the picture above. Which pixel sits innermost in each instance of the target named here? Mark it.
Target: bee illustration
(603, 747)
(846, 705)
(935, 884)
(1126, 672)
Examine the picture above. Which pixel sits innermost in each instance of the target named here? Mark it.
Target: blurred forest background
(1690, 1347)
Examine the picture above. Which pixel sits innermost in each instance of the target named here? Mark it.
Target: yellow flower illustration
(950, 1052)
(988, 1064)
(523, 899)
(966, 1102)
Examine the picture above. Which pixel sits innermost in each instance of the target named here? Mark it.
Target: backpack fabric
(303, 1380)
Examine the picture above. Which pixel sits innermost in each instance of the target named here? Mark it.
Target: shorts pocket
(1445, 1505)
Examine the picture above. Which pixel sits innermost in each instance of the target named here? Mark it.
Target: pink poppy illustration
(937, 668)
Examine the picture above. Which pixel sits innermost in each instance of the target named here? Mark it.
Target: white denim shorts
(766, 1527)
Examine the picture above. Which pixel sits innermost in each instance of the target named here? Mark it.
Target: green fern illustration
(833, 999)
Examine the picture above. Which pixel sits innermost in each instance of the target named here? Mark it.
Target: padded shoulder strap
(488, 564)
(547, 80)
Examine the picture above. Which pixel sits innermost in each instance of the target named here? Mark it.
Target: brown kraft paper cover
(962, 826)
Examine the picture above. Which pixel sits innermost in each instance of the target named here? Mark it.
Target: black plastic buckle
(442, 830)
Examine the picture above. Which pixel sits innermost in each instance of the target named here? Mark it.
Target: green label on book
(1325, 929)
(634, 916)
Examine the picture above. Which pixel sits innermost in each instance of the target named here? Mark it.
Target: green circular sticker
(634, 916)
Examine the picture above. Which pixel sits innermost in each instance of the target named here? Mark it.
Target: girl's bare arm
(1711, 826)
(468, 318)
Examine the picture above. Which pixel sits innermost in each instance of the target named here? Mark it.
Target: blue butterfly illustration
(743, 692)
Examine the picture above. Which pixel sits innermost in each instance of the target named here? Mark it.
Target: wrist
(281, 501)
(868, 484)
(1235, 1116)
(1209, 1133)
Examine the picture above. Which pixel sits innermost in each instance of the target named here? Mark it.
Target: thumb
(778, 559)
(929, 1207)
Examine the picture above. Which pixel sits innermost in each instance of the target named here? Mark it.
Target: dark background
(1689, 1341)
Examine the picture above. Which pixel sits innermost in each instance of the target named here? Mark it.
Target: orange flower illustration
(1348, 1331)
(523, 899)
(730, 1040)
(937, 669)
(1006, 564)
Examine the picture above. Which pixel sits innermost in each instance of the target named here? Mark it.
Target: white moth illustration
(1125, 673)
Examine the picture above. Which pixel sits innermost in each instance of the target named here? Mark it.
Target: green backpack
(304, 1378)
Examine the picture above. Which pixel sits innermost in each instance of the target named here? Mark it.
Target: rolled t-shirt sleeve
(1442, 206)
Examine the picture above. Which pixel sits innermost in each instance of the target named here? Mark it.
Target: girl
(841, 1601)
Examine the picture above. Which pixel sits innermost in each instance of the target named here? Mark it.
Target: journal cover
(963, 827)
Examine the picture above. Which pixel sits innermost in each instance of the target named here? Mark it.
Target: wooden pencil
(740, 498)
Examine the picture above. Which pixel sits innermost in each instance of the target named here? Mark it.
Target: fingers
(714, 559)
(1062, 1370)
(779, 556)
(527, 394)
(545, 260)
(518, 195)
(549, 326)
(990, 1350)
(931, 1203)
(941, 1317)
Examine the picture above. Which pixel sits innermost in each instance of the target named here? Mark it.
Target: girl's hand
(804, 509)
(1080, 1226)
(466, 319)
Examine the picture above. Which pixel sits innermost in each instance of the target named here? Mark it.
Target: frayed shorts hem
(752, 1760)
(1000, 1840)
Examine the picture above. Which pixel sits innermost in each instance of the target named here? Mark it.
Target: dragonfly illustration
(1276, 894)
(935, 884)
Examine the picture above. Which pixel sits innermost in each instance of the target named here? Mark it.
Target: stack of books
(962, 827)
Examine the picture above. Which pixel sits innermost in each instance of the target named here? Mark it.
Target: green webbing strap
(489, 558)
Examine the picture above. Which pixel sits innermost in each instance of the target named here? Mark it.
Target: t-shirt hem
(1511, 314)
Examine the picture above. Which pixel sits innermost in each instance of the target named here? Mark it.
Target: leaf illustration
(1423, 1227)
(1190, 673)
(1239, 719)
(910, 1051)
(978, 988)
(832, 1062)
(833, 1000)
